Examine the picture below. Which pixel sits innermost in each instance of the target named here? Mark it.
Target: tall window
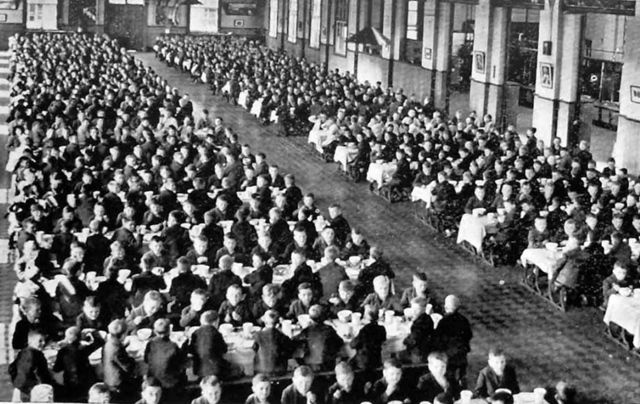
(413, 20)
(273, 18)
(342, 22)
(413, 36)
(204, 17)
(316, 22)
(293, 21)
(42, 14)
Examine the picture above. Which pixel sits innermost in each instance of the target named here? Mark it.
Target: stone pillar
(556, 91)
(436, 48)
(100, 15)
(627, 144)
(489, 59)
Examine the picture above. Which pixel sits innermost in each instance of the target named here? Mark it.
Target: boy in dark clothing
(419, 342)
(321, 343)
(368, 343)
(30, 366)
(73, 362)
(235, 310)
(183, 285)
(272, 347)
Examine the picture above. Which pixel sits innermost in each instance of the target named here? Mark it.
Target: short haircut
(92, 301)
(150, 381)
(438, 356)
(260, 378)
(304, 286)
(303, 371)
(496, 351)
(443, 398)
(392, 363)
(209, 317)
(209, 381)
(420, 275)
(343, 367)
(347, 285)
(502, 396)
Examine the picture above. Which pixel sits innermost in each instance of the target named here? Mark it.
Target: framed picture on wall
(635, 94)
(546, 75)
(479, 61)
(238, 23)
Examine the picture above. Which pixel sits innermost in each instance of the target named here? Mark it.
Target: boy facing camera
(300, 389)
(497, 375)
(303, 303)
(346, 299)
(211, 391)
(344, 390)
(261, 390)
(235, 310)
(391, 386)
(30, 366)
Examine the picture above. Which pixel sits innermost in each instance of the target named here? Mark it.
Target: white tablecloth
(521, 398)
(473, 229)
(344, 155)
(625, 312)
(317, 135)
(380, 172)
(545, 259)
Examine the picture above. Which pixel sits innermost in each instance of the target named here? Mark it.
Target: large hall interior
(320, 201)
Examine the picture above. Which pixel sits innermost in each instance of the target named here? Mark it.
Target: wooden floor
(545, 345)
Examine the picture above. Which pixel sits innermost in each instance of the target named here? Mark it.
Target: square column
(436, 47)
(557, 74)
(489, 59)
(625, 149)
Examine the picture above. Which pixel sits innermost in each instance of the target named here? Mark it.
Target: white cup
(465, 396)
(538, 395)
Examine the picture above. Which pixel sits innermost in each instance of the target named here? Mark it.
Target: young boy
(99, 394)
(346, 299)
(190, 316)
(618, 280)
(302, 304)
(320, 342)
(261, 388)
(33, 318)
(272, 347)
(419, 288)
(344, 390)
(269, 301)
(183, 285)
(368, 343)
(91, 316)
(391, 386)
(382, 298)
(30, 366)
(208, 349)
(497, 375)
(211, 391)
(145, 281)
(420, 340)
(151, 392)
(73, 362)
(235, 310)
(299, 391)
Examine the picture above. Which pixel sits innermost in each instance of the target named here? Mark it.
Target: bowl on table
(144, 334)
(479, 211)
(304, 320)
(344, 315)
(551, 246)
(355, 260)
(225, 329)
(124, 273)
(626, 292)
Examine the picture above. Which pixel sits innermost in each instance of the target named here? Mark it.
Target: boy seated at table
(320, 342)
(33, 318)
(91, 316)
(210, 391)
(145, 281)
(30, 366)
(391, 387)
(302, 304)
(269, 300)
(420, 340)
(382, 298)
(146, 313)
(345, 390)
(235, 309)
(345, 300)
(496, 375)
(437, 381)
(273, 348)
(151, 392)
(502, 397)
(73, 362)
(620, 281)
(419, 288)
(208, 348)
(190, 316)
(99, 394)
(183, 285)
(368, 343)
(356, 245)
(260, 390)
(539, 235)
(300, 389)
